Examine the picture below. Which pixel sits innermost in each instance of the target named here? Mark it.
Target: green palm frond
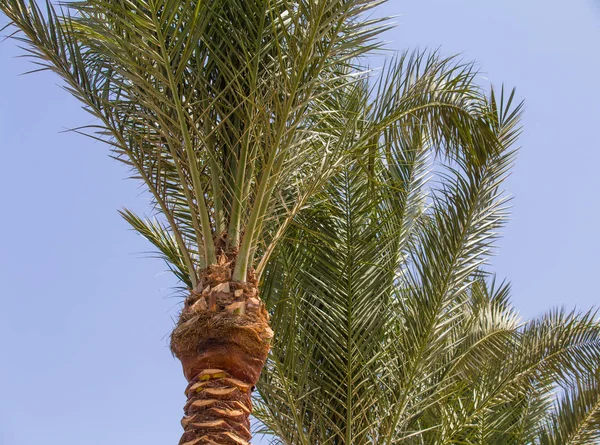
(508, 390)
(576, 420)
(163, 240)
(439, 95)
(467, 209)
(324, 348)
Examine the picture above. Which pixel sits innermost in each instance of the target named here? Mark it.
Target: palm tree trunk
(222, 340)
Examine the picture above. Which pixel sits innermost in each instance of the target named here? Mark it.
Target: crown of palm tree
(233, 113)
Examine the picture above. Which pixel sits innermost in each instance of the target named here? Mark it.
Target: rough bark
(222, 340)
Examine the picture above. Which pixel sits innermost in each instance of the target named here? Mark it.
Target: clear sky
(84, 321)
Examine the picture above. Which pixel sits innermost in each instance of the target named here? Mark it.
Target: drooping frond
(504, 395)
(467, 210)
(334, 299)
(437, 95)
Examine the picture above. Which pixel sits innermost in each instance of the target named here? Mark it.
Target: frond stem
(209, 245)
(216, 183)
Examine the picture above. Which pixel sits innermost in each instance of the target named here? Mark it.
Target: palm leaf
(576, 419)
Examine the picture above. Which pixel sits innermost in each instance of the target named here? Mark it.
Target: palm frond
(576, 419)
(163, 240)
(467, 209)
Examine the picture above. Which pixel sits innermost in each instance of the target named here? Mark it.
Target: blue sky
(84, 320)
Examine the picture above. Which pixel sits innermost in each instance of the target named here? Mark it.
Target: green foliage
(576, 420)
(388, 330)
(234, 113)
(160, 238)
(368, 204)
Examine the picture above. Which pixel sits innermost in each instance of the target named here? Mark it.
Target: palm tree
(235, 114)
(406, 338)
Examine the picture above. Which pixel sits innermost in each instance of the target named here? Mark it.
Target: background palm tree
(406, 338)
(234, 114)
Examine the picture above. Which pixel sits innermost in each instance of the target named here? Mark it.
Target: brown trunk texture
(222, 339)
